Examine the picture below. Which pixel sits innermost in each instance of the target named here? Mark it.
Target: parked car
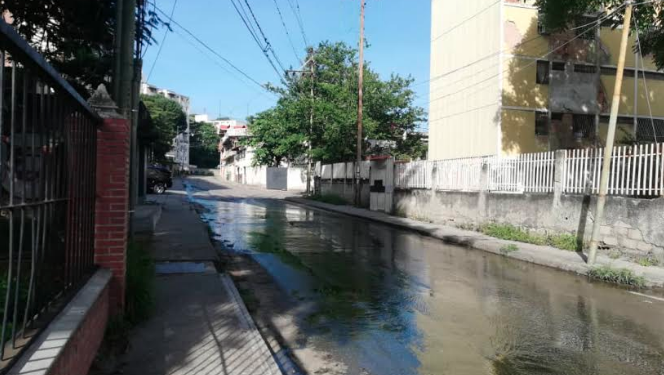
(159, 179)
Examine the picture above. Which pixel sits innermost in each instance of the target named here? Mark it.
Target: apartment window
(556, 117)
(583, 126)
(558, 66)
(541, 124)
(582, 68)
(541, 28)
(542, 72)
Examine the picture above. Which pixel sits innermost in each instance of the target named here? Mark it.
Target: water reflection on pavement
(394, 302)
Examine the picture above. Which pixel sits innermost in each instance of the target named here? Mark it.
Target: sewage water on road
(391, 301)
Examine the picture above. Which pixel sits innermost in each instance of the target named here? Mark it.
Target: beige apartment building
(501, 84)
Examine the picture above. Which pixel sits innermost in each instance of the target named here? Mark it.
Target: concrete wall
(632, 225)
(345, 190)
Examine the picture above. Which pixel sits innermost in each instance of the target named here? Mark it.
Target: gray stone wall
(635, 226)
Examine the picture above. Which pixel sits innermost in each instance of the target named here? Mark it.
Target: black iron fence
(47, 192)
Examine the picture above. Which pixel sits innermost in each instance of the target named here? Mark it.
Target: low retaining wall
(346, 190)
(70, 343)
(633, 225)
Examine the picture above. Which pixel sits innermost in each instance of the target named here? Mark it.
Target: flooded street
(389, 301)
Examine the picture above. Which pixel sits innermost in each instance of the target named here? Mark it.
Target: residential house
(501, 84)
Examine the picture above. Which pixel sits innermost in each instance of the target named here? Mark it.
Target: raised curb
(541, 255)
(269, 366)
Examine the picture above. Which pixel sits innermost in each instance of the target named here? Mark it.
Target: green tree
(204, 145)
(559, 15)
(77, 36)
(282, 132)
(168, 118)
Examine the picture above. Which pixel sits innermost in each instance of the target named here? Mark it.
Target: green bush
(622, 276)
(140, 284)
(329, 198)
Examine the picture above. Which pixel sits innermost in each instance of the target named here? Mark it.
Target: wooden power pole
(358, 177)
(608, 150)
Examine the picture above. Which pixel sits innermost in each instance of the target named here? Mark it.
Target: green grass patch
(647, 261)
(329, 198)
(512, 233)
(140, 284)
(507, 249)
(621, 276)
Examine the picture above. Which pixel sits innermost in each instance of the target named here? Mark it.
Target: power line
(298, 18)
(264, 49)
(464, 21)
(268, 45)
(477, 61)
(163, 40)
(212, 50)
(290, 40)
(516, 70)
(216, 62)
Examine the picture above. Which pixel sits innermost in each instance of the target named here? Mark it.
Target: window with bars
(583, 126)
(541, 124)
(542, 73)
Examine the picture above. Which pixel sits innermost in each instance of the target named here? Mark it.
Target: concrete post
(112, 192)
(559, 176)
(484, 189)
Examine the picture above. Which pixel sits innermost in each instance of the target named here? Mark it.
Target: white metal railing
(534, 173)
(414, 175)
(458, 174)
(635, 170)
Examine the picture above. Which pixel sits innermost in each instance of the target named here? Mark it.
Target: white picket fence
(635, 171)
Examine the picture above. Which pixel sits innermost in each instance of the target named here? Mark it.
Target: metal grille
(47, 192)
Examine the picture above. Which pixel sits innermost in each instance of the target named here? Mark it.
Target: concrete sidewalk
(201, 325)
(542, 255)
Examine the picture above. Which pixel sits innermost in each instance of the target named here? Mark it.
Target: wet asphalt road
(394, 302)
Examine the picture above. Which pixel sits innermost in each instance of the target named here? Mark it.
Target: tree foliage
(204, 145)
(283, 131)
(559, 15)
(168, 118)
(77, 36)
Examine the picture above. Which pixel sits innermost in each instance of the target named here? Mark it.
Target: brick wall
(112, 207)
(81, 349)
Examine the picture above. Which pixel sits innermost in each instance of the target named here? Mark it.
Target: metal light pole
(608, 150)
(358, 191)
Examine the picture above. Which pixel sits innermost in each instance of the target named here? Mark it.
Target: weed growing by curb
(621, 276)
(507, 249)
(512, 233)
(647, 261)
(329, 198)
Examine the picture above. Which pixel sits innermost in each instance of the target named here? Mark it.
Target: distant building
(180, 151)
(501, 84)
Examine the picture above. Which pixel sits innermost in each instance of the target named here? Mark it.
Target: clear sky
(398, 32)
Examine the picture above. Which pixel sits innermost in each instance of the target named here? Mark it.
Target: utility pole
(312, 71)
(358, 177)
(608, 150)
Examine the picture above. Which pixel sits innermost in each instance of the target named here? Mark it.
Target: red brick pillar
(112, 206)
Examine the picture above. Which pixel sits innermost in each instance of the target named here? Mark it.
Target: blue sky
(398, 32)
